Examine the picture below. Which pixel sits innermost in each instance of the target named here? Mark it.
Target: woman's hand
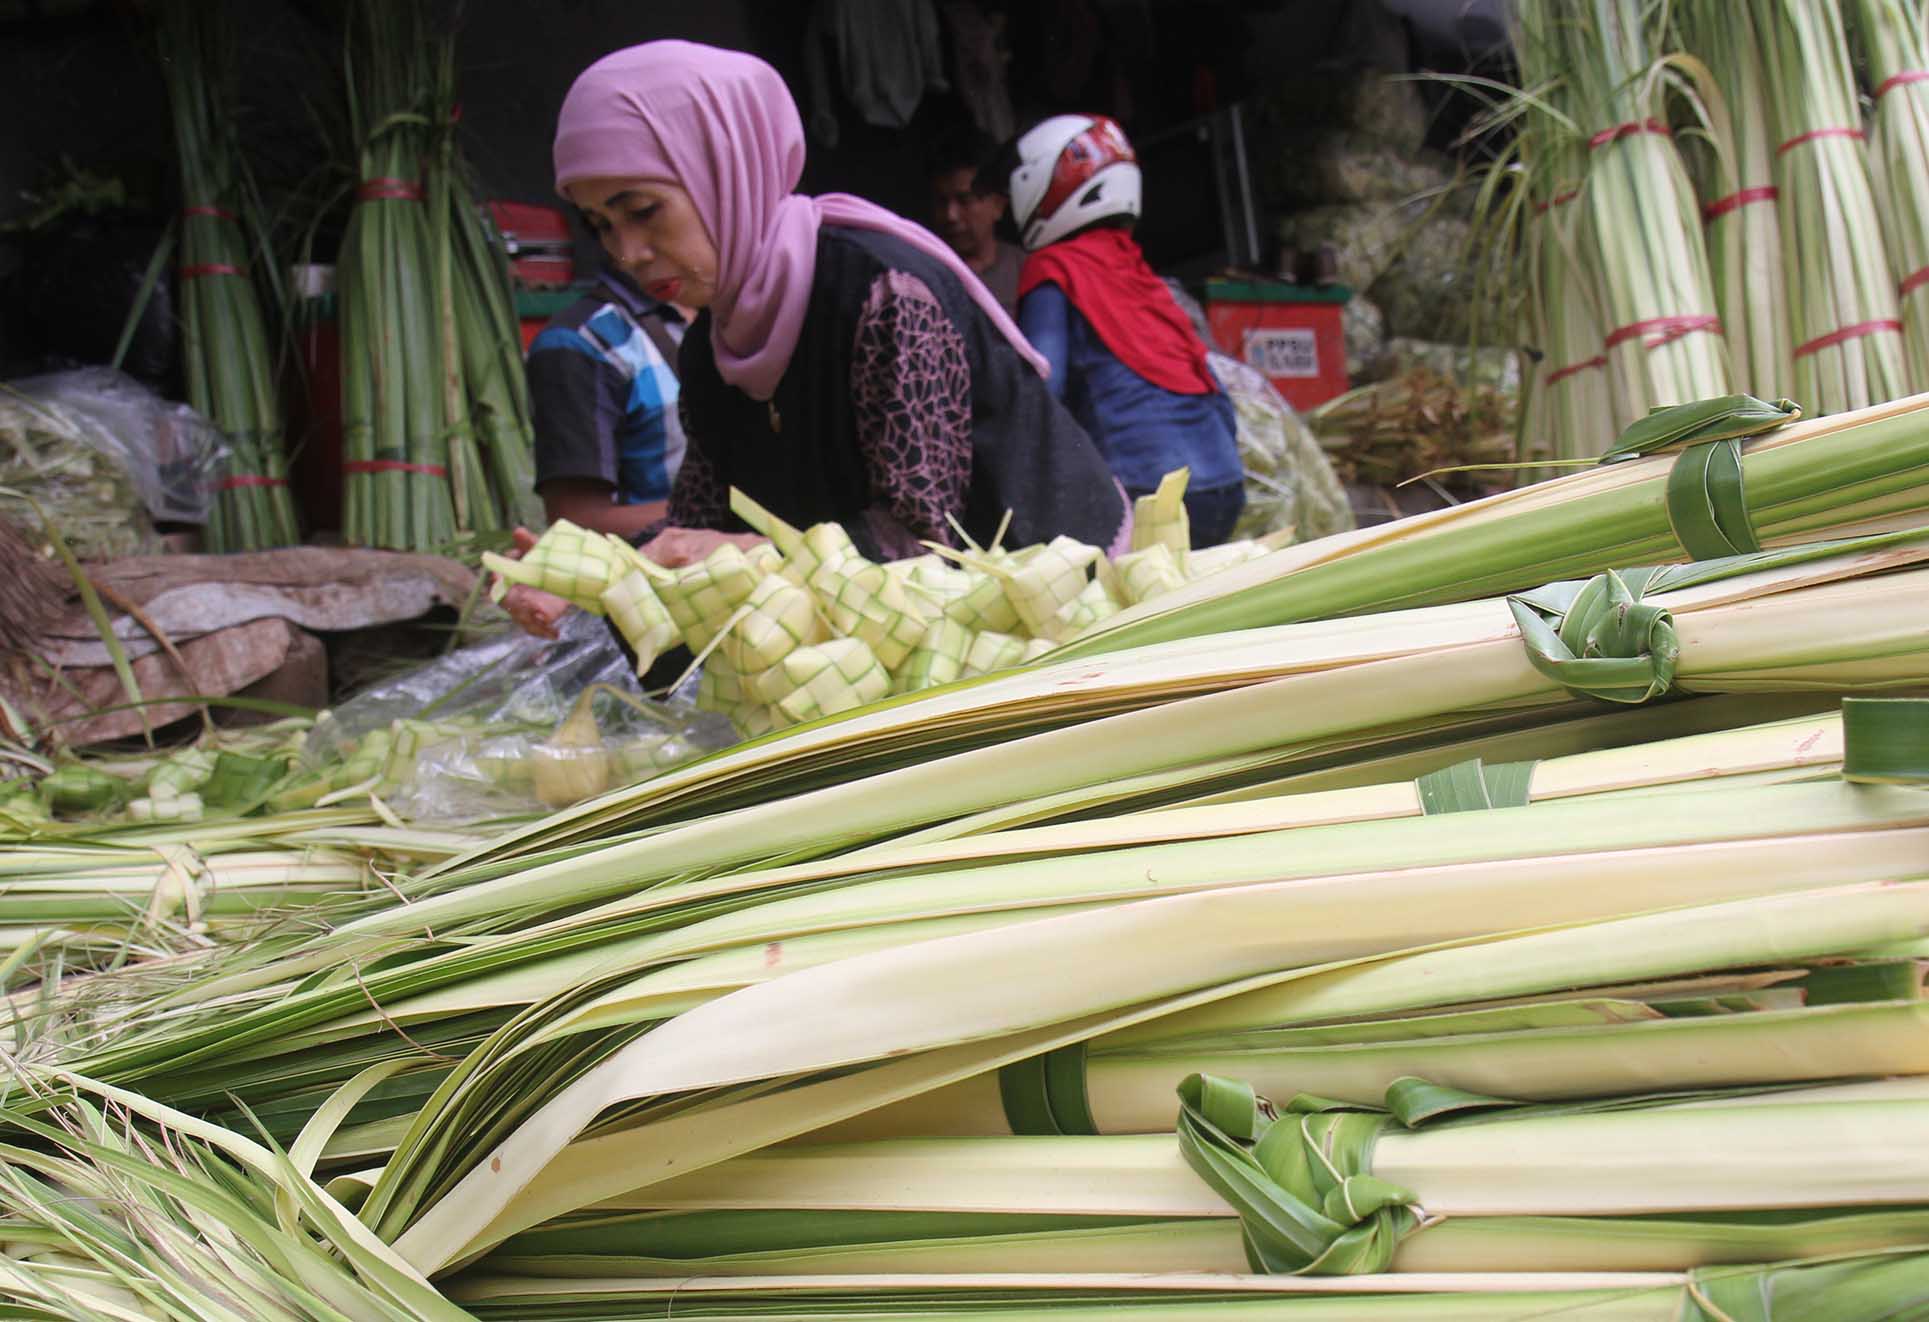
(685, 546)
(534, 611)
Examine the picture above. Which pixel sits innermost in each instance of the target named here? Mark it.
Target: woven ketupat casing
(938, 658)
(702, 597)
(1048, 578)
(832, 677)
(863, 601)
(1160, 519)
(780, 618)
(822, 544)
(1145, 574)
(984, 604)
(993, 651)
(641, 617)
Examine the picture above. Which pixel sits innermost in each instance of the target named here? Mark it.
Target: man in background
(967, 218)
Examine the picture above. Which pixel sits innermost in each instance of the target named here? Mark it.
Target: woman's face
(651, 230)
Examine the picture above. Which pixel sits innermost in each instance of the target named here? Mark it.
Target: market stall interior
(961, 659)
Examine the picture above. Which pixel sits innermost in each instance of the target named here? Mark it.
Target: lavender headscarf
(721, 125)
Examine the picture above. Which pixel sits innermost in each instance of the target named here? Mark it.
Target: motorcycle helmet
(1071, 171)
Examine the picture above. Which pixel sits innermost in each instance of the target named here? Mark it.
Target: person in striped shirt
(603, 394)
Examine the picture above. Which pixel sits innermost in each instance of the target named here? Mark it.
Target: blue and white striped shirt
(604, 399)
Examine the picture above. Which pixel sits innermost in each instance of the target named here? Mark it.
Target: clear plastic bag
(487, 732)
(96, 449)
(1290, 483)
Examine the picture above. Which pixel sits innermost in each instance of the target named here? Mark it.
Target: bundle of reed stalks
(226, 353)
(1896, 47)
(1846, 322)
(436, 432)
(1638, 229)
(1721, 56)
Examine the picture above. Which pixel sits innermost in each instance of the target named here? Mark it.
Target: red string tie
(210, 268)
(383, 189)
(1721, 206)
(1575, 369)
(1541, 208)
(240, 480)
(1815, 134)
(219, 213)
(1628, 130)
(1913, 281)
(1847, 333)
(1896, 80)
(1657, 331)
(392, 466)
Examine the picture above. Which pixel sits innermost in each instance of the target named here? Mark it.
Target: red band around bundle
(1628, 130)
(251, 480)
(1854, 332)
(1657, 331)
(402, 190)
(1721, 206)
(1575, 369)
(1913, 281)
(1898, 79)
(392, 466)
(210, 268)
(219, 213)
(1558, 199)
(1814, 134)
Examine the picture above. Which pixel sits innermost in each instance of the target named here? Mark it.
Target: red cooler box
(1292, 333)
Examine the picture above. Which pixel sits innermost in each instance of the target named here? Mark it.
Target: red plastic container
(1292, 333)
(542, 255)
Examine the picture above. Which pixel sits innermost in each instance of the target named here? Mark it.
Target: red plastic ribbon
(1913, 281)
(376, 190)
(1559, 198)
(1721, 206)
(392, 466)
(210, 268)
(251, 480)
(1657, 331)
(1628, 130)
(1813, 134)
(1856, 331)
(1574, 369)
(219, 213)
(1898, 79)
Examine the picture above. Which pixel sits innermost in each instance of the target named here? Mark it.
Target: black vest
(798, 455)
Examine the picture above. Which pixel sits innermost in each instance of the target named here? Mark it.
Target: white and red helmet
(1072, 170)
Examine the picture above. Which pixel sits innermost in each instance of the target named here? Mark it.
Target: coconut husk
(32, 590)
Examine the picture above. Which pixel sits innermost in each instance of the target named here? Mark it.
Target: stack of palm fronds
(230, 365)
(1564, 930)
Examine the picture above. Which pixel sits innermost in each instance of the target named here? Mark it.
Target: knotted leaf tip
(1598, 639)
(1308, 1203)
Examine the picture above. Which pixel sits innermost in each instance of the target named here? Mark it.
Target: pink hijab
(721, 125)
